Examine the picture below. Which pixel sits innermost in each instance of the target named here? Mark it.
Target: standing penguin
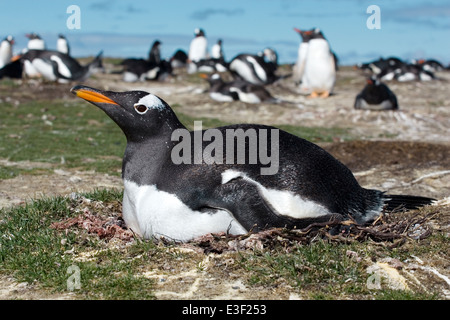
(217, 50)
(376, 96)
(6, 51)
(62, 45)
(319, 75)
(154, 56)
(182, 200)
(35, 42)
(198, 48)
(299, 66)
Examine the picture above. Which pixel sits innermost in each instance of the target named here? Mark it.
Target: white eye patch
(150, 101)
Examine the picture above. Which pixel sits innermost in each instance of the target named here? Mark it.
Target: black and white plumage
(217, 50)
(299, 66)
(62, 45)
(256, 69)
(219, 90)
(182, 200)
(210, 65)
(154, 55)
(57, 66)
(35, 42)
(179, 59)
(198, 48)
(319, 75)
(412, 72)
(237, 90)
(376, 96)
(6, 51)
(153, 68)
(430, 65)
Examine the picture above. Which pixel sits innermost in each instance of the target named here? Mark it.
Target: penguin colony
(184, 201)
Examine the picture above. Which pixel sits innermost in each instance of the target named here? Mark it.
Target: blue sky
(409, 29)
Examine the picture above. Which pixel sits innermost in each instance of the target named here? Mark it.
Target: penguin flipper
(246, 203)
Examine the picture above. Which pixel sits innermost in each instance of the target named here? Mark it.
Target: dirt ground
(400, 152)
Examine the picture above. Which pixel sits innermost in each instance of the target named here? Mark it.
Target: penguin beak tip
(91, 95)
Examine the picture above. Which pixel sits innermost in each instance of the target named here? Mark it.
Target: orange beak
(92, 96)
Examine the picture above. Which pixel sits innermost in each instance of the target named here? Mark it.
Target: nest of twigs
(393, 229)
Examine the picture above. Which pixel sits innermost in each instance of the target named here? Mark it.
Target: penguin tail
(398, 202)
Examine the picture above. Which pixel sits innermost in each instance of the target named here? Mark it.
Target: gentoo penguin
(208, 65)
(383, 68)
(6, 51)
(178, 187)
(254, 68)
(217, 50)
(57, 66)
(412, 72)
(154, 56)
(154, 68)
(179, 59)
(62, 45)
(237, 90)
(198, 49)
(299, 66)
(35, 42)
(430, 65)
(376, 96)
(219, 90)
(319, 75)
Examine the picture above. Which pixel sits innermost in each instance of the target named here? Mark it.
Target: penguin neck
(145, 157)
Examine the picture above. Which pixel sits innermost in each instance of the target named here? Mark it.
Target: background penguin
(198, 50)
(154, 56)
(217, 50)
(255, 68)
(57, 66)
(219, 90)
(35, 42)
(430, 65)
(154, 68)
(181, 200)
(299, 66)
(237, 90)
(178, 59)
(62, 45)
(6, 51)
(376, 96)
(319, 74)
(412, 72)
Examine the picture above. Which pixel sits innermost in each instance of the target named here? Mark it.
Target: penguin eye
(140, 108)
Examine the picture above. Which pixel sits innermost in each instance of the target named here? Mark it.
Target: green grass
(35, 253)
(75, 134)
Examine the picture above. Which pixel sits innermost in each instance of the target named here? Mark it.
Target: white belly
(246, 72)
(154, 213)
(44, 68)
(320, 72)
(299, 66)
(284, 202)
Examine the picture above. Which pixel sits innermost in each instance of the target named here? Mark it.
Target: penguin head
(139, 114)
(305, 34)
(373, 81)
(32, 36)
